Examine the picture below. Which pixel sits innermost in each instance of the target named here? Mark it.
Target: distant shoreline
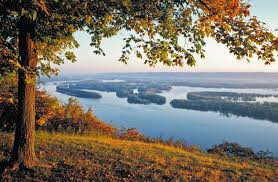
(195, 79)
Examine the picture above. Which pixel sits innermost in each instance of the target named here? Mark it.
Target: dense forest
(146, 98)
(229, 96)
(153, 88)
(77, 93)
(221, 102)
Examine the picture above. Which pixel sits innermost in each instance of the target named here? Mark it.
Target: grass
(101, 158)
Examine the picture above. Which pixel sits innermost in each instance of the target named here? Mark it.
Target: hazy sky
(217, 55)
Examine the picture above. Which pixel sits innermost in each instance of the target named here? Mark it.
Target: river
(193, 127)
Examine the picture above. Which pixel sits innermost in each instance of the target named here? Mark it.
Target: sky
(218, 58)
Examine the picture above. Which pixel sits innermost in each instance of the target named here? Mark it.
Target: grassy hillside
(101, 158)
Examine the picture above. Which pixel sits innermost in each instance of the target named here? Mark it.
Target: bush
(8, 116)
(131, 134)
(238, 151)
(51, 114)
(71, 117)
(8, 102)
(232, 150)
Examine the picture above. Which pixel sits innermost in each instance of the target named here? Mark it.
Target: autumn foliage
(51, 114)
(102, 158)
(228, 8)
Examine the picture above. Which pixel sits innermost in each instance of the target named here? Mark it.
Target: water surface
(194, 127)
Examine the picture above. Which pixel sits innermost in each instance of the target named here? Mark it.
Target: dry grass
(101, 158)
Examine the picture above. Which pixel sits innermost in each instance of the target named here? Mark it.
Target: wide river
(193, 127)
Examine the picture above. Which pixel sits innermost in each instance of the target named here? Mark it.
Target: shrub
(8, 102)
(236, 150)
(232, 150)
(51, 114)
(130, 134)
(71, 117)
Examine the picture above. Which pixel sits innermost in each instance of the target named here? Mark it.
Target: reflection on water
(202, 128)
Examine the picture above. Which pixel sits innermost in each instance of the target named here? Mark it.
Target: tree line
(263, 111)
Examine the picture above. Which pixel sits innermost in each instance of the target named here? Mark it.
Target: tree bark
(24, 143)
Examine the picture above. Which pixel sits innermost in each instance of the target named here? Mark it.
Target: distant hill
(196, 79)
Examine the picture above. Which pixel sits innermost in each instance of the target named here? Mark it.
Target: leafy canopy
(171, 32)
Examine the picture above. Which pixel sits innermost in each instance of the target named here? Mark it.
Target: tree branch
(204, 4)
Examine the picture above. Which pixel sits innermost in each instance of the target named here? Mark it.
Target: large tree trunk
(24, 143)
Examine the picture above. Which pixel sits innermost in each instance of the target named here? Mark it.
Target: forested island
(147, 92)
(153, 88)
(214, 101)
(77, 93)
(229, 96)
(145, 98)
(133, 99)
(122, 89)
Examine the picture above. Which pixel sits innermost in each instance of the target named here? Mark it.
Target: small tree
(35, 34)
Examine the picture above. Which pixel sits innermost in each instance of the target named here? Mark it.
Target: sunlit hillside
(101, 158)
